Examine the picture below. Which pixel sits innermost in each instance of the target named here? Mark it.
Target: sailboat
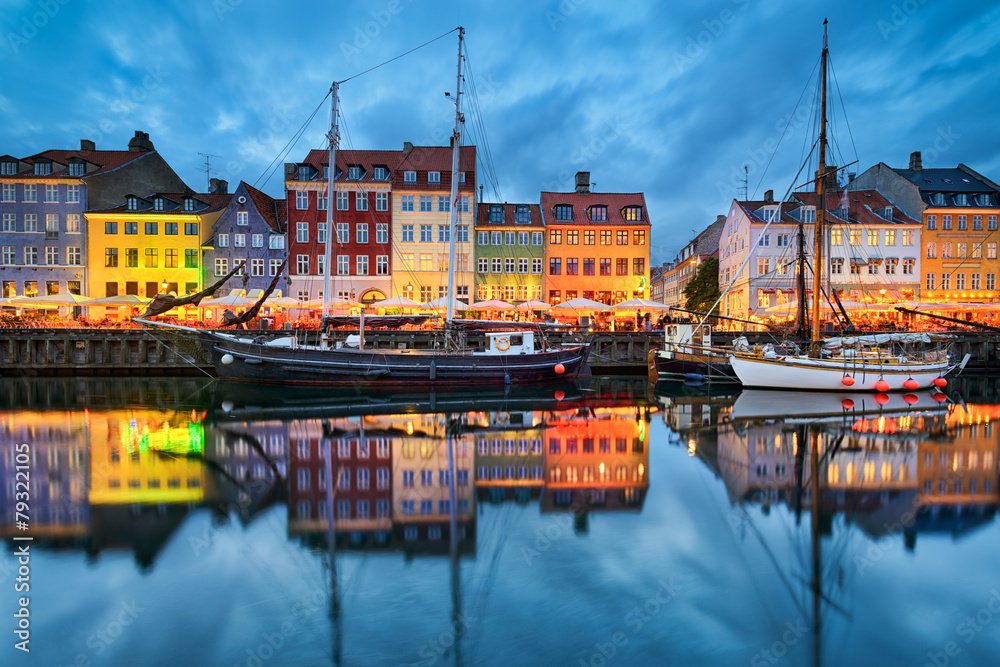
(861, 363)
(508, 358)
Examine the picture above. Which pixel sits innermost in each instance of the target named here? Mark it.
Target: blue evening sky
(669, 98)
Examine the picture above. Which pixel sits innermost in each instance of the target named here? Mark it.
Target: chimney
(140, 142)
(915, 162)
(769, 197)
(830, 182)
(218, 187)
(583, 182)
(407, 147)
(87, 145)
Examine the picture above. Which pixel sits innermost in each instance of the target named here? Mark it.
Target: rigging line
(399, 56)
(480, 123)
(279, 159)
(787, 125)
(841, 98)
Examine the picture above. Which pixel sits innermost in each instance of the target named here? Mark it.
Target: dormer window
(632, 213)
(43, 168)
(304, 172)
(461, 177)
(937, 199)
(381, 174)
(326, 173)
(888, 213)
(496, 214)
(133, 204)
(158, 204)
(809, 216)
(8, 168)
(77, 168)
(188, 204)
(767, 214)
(985, 200)
(598, 213)
(521, 215)
(353, 172)
(434, 177)
(564, 212)
(409, 177)
(962, 199)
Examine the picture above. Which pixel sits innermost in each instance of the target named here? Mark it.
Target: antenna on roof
(208, 169)
(746, 179)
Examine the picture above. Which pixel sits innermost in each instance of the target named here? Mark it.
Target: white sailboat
(860, 364)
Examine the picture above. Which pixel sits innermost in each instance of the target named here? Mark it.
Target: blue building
(43, 238)
(251, 228)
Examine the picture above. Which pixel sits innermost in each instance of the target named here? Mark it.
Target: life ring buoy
(503, 417)
(503, 344)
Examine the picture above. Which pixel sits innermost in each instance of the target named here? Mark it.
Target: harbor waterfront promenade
(162, 352)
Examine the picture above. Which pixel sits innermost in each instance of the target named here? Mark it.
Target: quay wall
(139, 352)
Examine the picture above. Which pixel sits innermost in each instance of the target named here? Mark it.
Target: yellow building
(140, 457)
(962, 470)
(151, 245)
(597, 245)
(421, 219)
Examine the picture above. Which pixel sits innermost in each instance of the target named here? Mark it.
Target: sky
(678, 100)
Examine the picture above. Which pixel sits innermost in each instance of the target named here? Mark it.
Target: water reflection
(591, 486)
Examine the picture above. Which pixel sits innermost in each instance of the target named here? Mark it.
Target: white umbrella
(580, 303)
(55, 300)
(396, 302)
(534, 304)
(442, 304)
(120, 300)
(491, 304)
(282, 302)
(230, 301)
(641, 304)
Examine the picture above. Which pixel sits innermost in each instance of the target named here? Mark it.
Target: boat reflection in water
(890, 465)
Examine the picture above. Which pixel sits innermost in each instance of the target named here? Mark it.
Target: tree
(703, 290)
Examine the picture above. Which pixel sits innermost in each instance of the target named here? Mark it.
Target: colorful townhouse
(43, 240)
(362, 248)
(252, 228)
(510, 252)
(597, 244)
(870, 250)
(152, 244)
(958, 209)
(688, 261)
(421, 217)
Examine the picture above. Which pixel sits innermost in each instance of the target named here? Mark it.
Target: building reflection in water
(107, 476)
(891, 465)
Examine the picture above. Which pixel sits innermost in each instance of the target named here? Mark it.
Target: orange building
(597, 245)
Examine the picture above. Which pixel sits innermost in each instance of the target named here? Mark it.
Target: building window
(930, 281)
(381, 201)
(190, 258)
(73, 257)
(239, 240)
(837, 265)
(131, 227)
(301, 200)
(564, 212)
(605, 266)
(322, 200)
(221, 266)
(425, 204)
(343, 201)
(242, 218)
(31, 194)
(272, 267)
(605, 237)
(639, 266)
(555, 236)
(621, 266)
(406, 203)
(256, 267)
(907, 237)
(110, 257)
(381, 265)
(484, 265)
(571, 266)
(434, 177)
(302, 265)
(425, 233)
(909, 264)
(598, 213)
(409, 177)
(945, 222)
(444, 234)
(495, 265)
(362, 265)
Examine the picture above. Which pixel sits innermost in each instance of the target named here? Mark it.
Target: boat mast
(334, 137)
(818, 233)
(456, 143)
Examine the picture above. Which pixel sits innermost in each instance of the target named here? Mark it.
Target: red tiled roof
(267, 206)
(615, 201)
(751, 208)
(214, 202)
(106, 160)
(861, 206)
(509, 211)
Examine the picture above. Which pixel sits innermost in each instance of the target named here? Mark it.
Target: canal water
(186, 522)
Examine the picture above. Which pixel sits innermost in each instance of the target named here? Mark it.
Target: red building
(362, 250)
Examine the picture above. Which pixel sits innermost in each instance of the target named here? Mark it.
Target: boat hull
(242, 361)
(684, 365)
(803, 373)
